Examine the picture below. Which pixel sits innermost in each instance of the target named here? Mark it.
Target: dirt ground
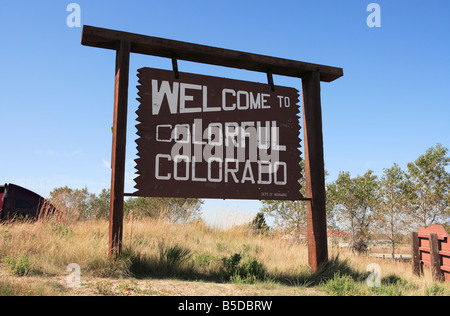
(58, 285)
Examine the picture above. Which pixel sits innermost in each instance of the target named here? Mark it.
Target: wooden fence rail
(431, 247)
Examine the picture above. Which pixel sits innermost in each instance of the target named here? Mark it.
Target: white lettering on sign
(178, 95)
(164, 91)
(262, 136)
(211, 137)
(186, 97)
(208, 145)
(221, 171)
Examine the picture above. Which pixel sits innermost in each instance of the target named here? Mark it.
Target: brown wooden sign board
(312, 75)
(209, 137)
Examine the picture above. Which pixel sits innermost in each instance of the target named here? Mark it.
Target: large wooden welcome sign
(208, 137)
(211, 137)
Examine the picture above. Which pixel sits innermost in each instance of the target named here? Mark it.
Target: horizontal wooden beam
(148, 45)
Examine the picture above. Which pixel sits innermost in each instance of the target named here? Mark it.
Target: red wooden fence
(431, 247)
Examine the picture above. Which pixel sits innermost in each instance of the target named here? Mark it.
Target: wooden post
(314, 171)
(415, 254)
(118, 149)
(435, 258)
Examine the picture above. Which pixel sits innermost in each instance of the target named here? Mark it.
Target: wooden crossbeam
(149, 45)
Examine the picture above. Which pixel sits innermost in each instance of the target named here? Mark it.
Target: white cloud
(106, 163)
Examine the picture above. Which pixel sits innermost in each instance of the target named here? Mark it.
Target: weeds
(9, 288)
(248, 272)
(345, 285)
(230, 266)
(159, 249)
(61, 230)
(205, 261)
(21, 266)
(341, 285)
(104, 288)
(437, 290)
(173, 257)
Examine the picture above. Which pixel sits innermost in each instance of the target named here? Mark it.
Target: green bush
(204, 260)
(229, 266)
(392, 285)
(21, 266)
(174, 257)
(250, 271)
(341, 285)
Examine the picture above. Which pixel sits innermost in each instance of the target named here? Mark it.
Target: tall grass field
(163, 258)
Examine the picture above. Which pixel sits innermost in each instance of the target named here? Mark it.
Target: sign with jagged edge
(210, 137)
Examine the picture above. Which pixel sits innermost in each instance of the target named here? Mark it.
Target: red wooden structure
(431, 247)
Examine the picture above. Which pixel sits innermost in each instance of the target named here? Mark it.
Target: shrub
(250, 271)
(229, 266)
(174, 257)
(392, 285)
(204, 260)
(329, 270)
(21, 266)
(340, 285)
(259, 224)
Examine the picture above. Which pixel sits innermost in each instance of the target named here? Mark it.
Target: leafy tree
(175, 209)
(352, 201)
(259, 223)
(368, 197)
(83, 205)
(100, 205)
(429, 202)
(343, 202)
(72, 202)
(391, 212)
(292, 215)
(289, 215)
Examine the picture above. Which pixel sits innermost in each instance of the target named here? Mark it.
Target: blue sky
(56, 96)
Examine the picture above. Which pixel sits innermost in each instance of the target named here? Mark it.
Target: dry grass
(34, 258)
